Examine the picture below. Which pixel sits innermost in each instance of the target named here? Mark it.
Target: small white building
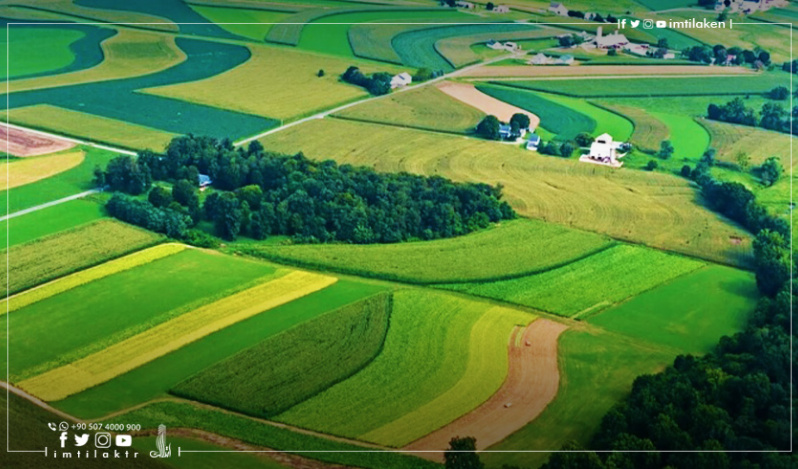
(558, 9)
(566, 59)
(508, 46)
(402, 79)
(539, 59)
(466, 5)
(604, 151)
(533, 142)
(616, 40)
(501, 9)
(637, 49)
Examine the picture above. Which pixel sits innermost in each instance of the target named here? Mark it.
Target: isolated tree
(770, 171)
(489, 128)
(665, 149)
(320, 73)
(159, 196)
(521, 119)
(686, 171)
(583, 139)
(489, 6)
(779, 92)
(708, 157)
(652, 165)
(612, 52)
(462, 454)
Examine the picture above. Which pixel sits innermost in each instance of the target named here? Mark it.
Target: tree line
(718, 53)
(772, 116)
(259, 194)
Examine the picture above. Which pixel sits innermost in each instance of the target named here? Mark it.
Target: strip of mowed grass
(126, 54)
(618, 126)
(175, 414)
(648, 131)
(422, 359)
(424, 108)
(688, 137)
(89, 126)
(512, 248)
(558, 119)
(24, 171)
(256, 32)
(48, 221)
(661, 86)
(690, 313)
(69, 182)
(589, 284)
(50, 257)
(251, 86)
(758, 144)
(562, 191)
(90, 317)
(157, 377)
(597, 364)
(286, 369)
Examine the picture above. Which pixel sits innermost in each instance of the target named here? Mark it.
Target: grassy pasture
(49, 221)
(689, 313)
(155, 378)
(256, 32)
(19, 172)
(458, 50)
(512, 248)
(174, 414)
(126, 54)
(60, 254)
(49, 8)
(428, 333)
(619, 127)
(89, 126)
(564, 192)
(77, 322)
(648, 131)
(588, 284)
(27, 47)
(425, 108)
(660, 86)
(288, 368)
(688, 137)
(251, 86)
(759, 144)
(558, 119)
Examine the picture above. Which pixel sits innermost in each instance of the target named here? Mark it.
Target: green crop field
(128, 53)
(648, 131)
(156, 378)
(34, 51)
(424, 108)
(565, 192)
(251, 86)
(618, 126)
(689, 313)
(46, 258)
(290, 367)
(595, 364)
(660, 86)
(688, 137)
(428, 333)
(256, 32)
(589, 284)
(758, 144)
(75, 323)
(558, 119)
(49, 221)
(458, 50)
(512, 248)
(100, 129)
(375, 41)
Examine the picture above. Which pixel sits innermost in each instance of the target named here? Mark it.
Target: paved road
(48, 204)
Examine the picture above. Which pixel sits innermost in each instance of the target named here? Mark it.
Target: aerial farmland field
(393, 234)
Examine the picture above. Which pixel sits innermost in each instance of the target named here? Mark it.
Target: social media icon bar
(81, 440)
(64, 437)
(63, 426)
(102, 440)
(662, 24)
(124, 440)
(648, 24)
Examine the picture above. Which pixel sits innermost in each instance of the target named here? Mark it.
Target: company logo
(81, 440)
(635, 23)
(64, 437)
(102, 440)
(164, 450)
(124, 440)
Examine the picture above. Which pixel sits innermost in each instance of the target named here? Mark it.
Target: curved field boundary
(23, 142)
(458, 52)
(474, 97)
(67, 8)
(289, 33)
(732, 139)
(648, 130)
(77, 279)
(487, 369)
(172, 335)
(532, 382)
(29, 170)
(516, 71)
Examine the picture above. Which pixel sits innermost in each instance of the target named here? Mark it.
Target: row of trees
(377, 83)
(260, 194)
(772, 116)
(719, 53)
(488, 127)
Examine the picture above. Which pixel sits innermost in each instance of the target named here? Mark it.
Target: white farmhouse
(539, 59)
(558, 9)
(533, 142)
(466, 5)
(604, 151)
(403, 79)
(501, 9)
(615, 40)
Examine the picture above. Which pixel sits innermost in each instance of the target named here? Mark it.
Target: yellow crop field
(172, 335)
(89, 275)
(25, 171)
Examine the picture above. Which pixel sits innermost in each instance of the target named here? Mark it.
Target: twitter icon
(81, 440)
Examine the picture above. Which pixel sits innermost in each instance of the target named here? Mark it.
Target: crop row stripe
(167, 337)
(77, 279)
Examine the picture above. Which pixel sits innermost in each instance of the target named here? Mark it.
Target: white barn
(402, 79)
(605, 151)
(558, 9)
(611, 41)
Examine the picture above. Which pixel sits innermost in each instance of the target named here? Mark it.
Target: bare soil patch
(499, 71)
(26, 143)
(532, 382)
(467, 94)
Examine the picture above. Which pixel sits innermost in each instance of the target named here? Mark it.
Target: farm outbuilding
(614, 40)
(402, 79)
(558, 9)
(604, 150)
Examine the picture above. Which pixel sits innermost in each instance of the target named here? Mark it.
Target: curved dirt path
(466, 93)
(532, 381)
